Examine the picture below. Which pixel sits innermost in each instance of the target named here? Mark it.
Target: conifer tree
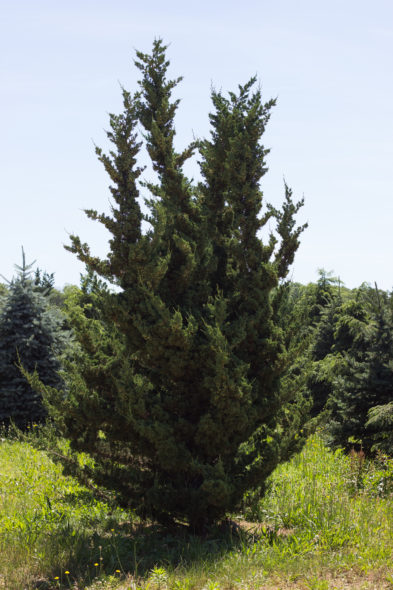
(379, 427)
(179, 397)
(30, 335)
(363, 371)
(326, 311)
(3, 292)
(44, 282)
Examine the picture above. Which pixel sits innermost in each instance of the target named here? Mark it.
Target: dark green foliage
(366, 373)
(321, 295)
(291, 314)
(30, 336)
(309, 325)
(44, 282)
(321, 377)
(323, 311)
(379, 427)
(181, 393)
(352, 372)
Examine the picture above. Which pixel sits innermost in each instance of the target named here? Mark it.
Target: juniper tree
(189, 410)
(30, 335)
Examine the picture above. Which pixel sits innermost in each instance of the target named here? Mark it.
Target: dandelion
(56, 577)
(96, 564)
(66, 572)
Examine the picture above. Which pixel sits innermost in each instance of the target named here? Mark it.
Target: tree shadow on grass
(134, 548)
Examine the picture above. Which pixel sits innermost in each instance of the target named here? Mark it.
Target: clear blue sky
(331, 133)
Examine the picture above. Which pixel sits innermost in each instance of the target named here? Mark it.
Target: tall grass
(326, 522)
(329, 499)
(49, 524)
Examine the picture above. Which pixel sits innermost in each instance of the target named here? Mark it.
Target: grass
(325, 523)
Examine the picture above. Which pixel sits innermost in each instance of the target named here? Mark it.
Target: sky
(329, 64)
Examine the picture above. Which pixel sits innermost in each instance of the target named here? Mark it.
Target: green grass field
(326, 522)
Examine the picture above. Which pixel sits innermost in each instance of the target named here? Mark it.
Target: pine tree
(30, 335)
(182, 406)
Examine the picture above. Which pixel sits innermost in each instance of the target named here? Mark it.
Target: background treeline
(348, 354)
(343, 340)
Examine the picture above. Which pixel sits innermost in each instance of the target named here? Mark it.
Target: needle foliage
(179, 393)
(32, 336)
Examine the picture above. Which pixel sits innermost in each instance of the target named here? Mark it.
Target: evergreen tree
(29, 336)
(321, 296)
(321, 377)
(314, 330)
(180, 396)
(44, 282)
(3, 292)
(379, 427)
(364, 369)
